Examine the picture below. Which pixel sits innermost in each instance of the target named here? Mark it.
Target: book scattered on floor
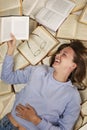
(31, 7)
(4, 88)
(10, 7)
(18, 87)
(84, 127)
(38, 46)
(72, 29)
(32, 25)
(79, 5)
(18, 25)
(28, 6)
(20, 61)
(54, 13)
(83, 16)
(6, 103)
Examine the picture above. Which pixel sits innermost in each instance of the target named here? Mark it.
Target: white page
(5, 28)
(49, 19)
(53, 15)
(84, 127)
(6, 4)
(62, 7)
(68, 28)
(28, 6)
(20, 27)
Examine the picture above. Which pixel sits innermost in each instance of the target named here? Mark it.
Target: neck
(61, 77)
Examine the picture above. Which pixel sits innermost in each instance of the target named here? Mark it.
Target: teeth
(57, 60)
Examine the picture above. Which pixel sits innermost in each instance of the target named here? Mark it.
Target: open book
(83, 16)
(72, 29)
(54, 13)
(18, 25)
(31, 7)
(38, 46)
(10, 7)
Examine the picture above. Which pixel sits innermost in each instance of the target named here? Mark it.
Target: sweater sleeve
(67, 119)
(14, 77)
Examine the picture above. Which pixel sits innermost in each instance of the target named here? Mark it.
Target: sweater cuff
(42, 125)
(8, 58)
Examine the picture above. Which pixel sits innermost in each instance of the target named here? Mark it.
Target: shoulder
(75, 96)
(41, 69)
(73, 93)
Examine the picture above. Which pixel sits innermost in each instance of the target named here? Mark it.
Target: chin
(54, 65)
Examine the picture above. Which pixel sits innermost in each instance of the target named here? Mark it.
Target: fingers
(20, 108)
(28, 106)
(12, 36)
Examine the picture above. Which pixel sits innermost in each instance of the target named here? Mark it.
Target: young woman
(50, 100)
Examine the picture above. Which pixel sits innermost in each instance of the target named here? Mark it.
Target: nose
(58, 56)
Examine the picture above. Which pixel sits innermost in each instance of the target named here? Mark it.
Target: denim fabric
(5, 124)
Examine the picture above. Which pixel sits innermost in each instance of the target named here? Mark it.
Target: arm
(8, 75)
(65, 122)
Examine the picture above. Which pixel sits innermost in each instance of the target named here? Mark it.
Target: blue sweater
(57, 103)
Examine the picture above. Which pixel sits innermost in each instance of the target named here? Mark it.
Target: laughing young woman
(50, 100)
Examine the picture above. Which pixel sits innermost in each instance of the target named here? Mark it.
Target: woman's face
(64, 59)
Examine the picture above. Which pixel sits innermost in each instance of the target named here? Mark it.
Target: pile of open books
(40, 26)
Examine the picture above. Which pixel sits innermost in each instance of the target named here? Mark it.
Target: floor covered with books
(42, 42)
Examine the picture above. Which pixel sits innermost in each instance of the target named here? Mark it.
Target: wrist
(10, 52)
(36, 120)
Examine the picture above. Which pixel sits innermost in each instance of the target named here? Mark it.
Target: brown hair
(80, 58)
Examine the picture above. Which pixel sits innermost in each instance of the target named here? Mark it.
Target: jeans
(5, 124)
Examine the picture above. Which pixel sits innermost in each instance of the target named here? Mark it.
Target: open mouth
(57, 60)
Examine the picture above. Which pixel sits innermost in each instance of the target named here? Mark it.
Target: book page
(83, 17)
(28, 6)
(4, 88)
(84, 127)
(6, 4)
(40, 5)
(0, 28)
(62, 7)
(6, 103)
(32, 25)
(39, 44)
(10, 7)
(68, 28)
(49, 19)
(20, 61)
(79, 4)
(18, 87)
(55, 12)
(11, 11)
(20, 27)
(6, 28)
(81, 31)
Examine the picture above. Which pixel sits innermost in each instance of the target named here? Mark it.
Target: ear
(74, 65)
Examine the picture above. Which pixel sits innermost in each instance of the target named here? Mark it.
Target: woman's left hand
(28, 113)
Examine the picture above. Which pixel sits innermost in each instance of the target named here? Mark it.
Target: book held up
(54, 13)
(17, 25)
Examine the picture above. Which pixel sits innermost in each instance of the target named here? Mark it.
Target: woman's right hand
(11, 45)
